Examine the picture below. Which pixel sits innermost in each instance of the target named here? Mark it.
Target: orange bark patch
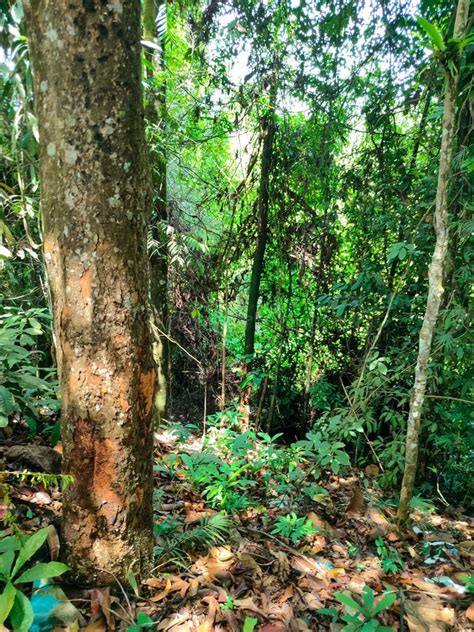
(135, 296)
(119, 340)
(147, 388)
(123, 388)
(73, 383)
(47, 246)
(107, 455)
(85, 283)
(102, 247)
(66, 313)
(94, 380)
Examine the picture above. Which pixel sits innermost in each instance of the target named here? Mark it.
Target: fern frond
(210, 531)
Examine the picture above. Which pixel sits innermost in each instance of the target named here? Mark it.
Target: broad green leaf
(144, 620)
(432, 32)
(10, 543)
(368, 598)
(385, 602)
(249, 624)
(21, 615)
(6, 601)
(42, 571)
(347, 601)
(6, 562)
(32, 544)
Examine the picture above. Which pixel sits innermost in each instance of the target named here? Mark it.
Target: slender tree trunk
(156, 113)
(436, 273)
(94, 198)
(268, 132)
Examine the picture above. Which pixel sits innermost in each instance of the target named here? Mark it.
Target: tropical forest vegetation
(235, 297)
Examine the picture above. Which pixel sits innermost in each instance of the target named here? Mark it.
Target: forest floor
(254, 578)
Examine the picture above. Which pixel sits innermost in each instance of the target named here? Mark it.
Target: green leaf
(133, 581)
(368, 599)
(6, 601)
(433, 33)
(6, 562)
(7, 401)
(249, 624)
(32, 544)
(21, 615)
(144, 620)
(385, 602)
(347, 601)
(10, 543)
(43, 571)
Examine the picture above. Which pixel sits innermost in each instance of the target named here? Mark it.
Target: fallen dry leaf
(380, 524)
(287, 594)
(372, 471)
(428, 615)
(164, 593)
(53, 543)
(208, 624)
(470, 612)
(248, 604)
(356, 504)
(467, 548)
(96, 624)
(312, 602)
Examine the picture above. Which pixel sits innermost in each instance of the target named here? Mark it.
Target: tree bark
(435, 275)
(95, 197)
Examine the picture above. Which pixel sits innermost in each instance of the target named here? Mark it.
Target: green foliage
(433, 33)
(174, 544)
(328, 455)
(390, 559)
(250, 624)
(22, 390)
(362, 616)
(294, 528)
(16, 552)
(222, 483)
(235, 469)
(228, 604)
(144, 622)
(468, 581)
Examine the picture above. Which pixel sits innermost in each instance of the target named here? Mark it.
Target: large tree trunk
(435, 276)
(95, 198)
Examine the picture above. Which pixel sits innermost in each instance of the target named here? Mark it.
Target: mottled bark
(95, 197)
(435, 275)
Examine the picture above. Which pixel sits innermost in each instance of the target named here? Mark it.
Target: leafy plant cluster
(27, 387)
(238, 470)
(17, 570)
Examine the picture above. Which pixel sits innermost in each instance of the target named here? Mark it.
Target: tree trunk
(435, 276)
(268, 132)
(95, 199)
